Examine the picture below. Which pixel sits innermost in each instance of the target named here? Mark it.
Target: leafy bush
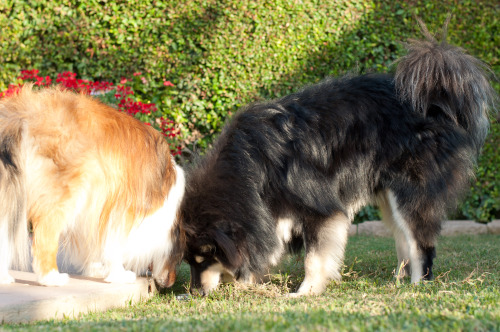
(222, 54)
(483, 201)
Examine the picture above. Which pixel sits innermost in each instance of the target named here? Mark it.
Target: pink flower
(167, 83)
(137, 73)
(123, 80)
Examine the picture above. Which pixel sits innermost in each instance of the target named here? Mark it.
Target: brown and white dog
(87, 179)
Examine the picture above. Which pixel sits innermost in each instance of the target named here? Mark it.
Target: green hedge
(483, 202)
(221, 54)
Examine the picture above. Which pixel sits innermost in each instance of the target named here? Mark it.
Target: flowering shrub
(120, 96)
(68, 80)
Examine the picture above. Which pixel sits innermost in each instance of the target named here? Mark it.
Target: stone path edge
(449, 228)
(26, 301)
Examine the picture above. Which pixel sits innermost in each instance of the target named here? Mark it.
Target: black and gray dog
(301, 166)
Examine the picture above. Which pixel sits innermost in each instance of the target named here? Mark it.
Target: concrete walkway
(452, 227)
(26, 301)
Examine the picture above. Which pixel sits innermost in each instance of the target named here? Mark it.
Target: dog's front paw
(6, 279)
(95, 270)
(54, 278)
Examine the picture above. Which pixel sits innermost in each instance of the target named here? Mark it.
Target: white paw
(95, 270)
(6, 279)
(54, 278)
(121, 277)
(310, 289)
(294, 295)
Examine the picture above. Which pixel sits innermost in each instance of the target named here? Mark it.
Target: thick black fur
(334, 147)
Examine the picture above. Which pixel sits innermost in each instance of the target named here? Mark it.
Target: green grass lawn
(465, 296)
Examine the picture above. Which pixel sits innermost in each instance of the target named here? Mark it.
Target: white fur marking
(119, 275)
(402, 248)
(284, 228)
(6, 279)
(199, 259)
(149, 241)
(355, 207)
(323, 262)
(316, 275)
(54, 278)
(96, 270)
(412, 248)
(211, 276)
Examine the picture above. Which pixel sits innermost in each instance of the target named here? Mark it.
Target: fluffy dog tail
(442, 80)
(14, 240)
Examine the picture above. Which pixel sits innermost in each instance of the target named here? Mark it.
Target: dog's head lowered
(165, 271)
(213, 256)
(216, 246)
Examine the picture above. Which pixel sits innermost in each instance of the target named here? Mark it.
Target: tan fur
(92, 173)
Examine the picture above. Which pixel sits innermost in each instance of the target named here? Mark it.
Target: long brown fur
(90, 174)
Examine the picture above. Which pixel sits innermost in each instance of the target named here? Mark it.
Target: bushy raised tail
(439, 79)
(14, 241)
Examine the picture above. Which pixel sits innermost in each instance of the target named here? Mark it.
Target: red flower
(68, 80)
(11, 90)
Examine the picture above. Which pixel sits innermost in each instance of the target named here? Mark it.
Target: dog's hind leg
(415, 238)
(325, 243)
(47, 228)
(402, 247)
(52, 216)
(113, 258)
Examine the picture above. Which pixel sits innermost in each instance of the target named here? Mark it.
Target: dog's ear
(232, 256)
